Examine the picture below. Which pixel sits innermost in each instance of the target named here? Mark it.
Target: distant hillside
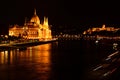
(107, 33)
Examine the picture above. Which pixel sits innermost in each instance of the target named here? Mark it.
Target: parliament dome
(35, 18)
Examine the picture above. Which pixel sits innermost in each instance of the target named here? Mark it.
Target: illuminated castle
(91, 30)
(32, 29)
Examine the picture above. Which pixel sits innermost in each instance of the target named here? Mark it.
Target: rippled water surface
(63, 60)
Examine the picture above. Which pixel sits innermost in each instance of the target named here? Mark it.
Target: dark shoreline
(26, 44)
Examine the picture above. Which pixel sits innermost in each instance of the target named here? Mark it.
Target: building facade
(32, 29)
(91, 30)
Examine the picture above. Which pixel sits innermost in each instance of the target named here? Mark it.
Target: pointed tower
(46, 21)
(35, 12)
(25, 21)
(35, 18)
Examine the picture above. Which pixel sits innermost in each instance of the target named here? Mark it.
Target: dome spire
(25, 20)
(34, 11)
(35, 18)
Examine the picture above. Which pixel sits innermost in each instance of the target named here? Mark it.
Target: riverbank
(27, 42)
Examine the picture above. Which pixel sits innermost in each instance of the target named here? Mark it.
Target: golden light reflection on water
(35, 59)
(3, 57)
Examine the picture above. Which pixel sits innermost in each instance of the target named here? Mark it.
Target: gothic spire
(34, 11)
(25, 20)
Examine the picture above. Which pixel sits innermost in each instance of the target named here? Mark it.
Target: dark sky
(67, 12)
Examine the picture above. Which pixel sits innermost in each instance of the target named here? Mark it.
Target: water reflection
(30, 64)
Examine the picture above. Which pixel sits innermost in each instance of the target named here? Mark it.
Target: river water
(63, 60)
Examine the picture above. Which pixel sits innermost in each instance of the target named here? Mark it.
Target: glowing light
(90, 30)
(3, 57)
(32, 29)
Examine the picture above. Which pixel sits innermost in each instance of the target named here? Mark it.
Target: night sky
(73, 14)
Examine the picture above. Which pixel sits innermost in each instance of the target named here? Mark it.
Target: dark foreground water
(63, 60)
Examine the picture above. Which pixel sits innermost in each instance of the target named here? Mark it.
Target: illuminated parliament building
(32, 29)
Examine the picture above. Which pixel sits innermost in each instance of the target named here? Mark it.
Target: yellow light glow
(90, 30)
(33, 29)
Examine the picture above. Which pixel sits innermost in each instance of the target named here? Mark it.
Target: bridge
(85, 37)
(68, 37)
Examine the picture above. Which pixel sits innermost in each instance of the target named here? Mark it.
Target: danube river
(62, 60)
